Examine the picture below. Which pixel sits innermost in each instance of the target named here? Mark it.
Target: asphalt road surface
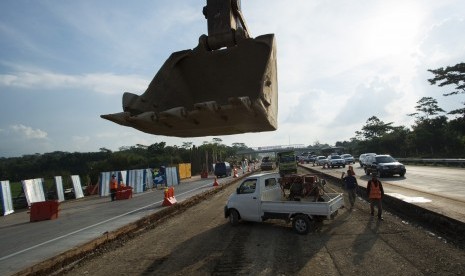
(439, 189)
(200, 241)
(24, 243)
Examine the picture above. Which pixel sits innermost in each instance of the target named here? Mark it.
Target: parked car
(267, 164)
(362, 157)
(383, 165)
(348, 158)
(336, 161)
(321, 160)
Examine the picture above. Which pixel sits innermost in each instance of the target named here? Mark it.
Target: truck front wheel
(301, 224)
(233, 217)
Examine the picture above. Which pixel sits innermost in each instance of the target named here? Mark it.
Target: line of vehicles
(333, 160)
(381, 164)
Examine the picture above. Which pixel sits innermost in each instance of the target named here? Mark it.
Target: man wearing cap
(375, 193)
(351, 185)
(113, 187)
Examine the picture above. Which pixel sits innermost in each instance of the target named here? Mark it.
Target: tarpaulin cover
(77, 186)
(59, 185)
(104, 183)
(6, 197)
(140, 180)
(148, 176)
(135, 179)
(172, 176)
(34, 190)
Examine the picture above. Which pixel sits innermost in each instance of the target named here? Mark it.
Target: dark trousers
(113, 194)
(352, 193)
(377, 202)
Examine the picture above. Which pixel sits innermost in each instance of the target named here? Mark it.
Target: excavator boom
(225, 85)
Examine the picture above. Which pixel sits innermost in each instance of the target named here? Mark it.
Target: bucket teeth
(211, 106)
(178, 112)
(146, 117)
(241, 102)
(121, 118)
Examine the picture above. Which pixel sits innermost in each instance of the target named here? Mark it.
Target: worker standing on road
(113, 187)
(375, 193)
(351, 185)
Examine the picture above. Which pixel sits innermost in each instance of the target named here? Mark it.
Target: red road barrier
(124, 192)
(169, 197)
(44, 210)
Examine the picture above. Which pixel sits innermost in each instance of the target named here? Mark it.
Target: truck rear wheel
(233, 217)
(301, 224)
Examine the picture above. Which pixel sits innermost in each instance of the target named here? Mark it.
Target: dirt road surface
(200, 241)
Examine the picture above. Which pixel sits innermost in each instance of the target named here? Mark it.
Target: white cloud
(29, 132)
(107, 83)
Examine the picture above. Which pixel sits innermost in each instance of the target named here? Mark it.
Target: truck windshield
(285, 159)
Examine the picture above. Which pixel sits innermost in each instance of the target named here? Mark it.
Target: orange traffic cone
(216, 182)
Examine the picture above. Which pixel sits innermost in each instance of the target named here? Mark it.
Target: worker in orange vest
(375, 193)
(113, 187)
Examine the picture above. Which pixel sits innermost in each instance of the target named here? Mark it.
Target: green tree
(374, 128)
(451, 75)
(426, 108)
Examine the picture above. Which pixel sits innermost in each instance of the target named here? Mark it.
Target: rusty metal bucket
(201, 92)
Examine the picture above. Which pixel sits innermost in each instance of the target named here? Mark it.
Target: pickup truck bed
(332, 202)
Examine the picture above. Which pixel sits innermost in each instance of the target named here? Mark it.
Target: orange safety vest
(375, 191)
(113, 183)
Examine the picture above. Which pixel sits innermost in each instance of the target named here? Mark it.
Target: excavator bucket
(201, 92)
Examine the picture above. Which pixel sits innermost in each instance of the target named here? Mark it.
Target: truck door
(249, 200)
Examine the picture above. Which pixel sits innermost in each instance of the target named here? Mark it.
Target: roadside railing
(453, 162)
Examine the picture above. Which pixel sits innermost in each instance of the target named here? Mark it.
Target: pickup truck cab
(260, 197)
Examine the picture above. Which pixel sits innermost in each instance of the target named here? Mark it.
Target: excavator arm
(225, 85)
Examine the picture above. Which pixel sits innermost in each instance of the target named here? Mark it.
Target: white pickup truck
(260, 197)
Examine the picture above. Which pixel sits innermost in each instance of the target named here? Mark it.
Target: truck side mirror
(238, 190)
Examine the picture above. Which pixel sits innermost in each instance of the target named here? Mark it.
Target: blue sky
(64, 63)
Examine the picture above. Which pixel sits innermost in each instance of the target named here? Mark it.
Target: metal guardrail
(435, 161)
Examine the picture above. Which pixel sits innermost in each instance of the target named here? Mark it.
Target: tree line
(90, 165)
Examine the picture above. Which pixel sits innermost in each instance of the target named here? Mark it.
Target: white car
(362, 157)
(336, 161)
(348, 158)
(321, 160)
